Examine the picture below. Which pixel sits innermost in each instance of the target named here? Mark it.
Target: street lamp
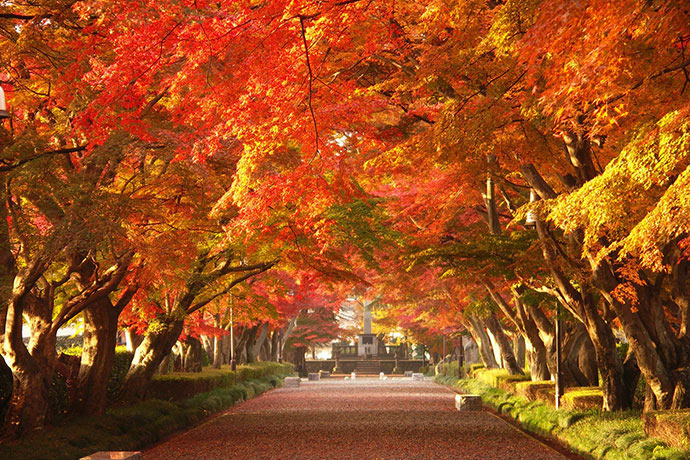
(559, 380)
(233, 363)
(3, 105)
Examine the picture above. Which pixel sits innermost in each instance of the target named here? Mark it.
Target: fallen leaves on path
(365, 419)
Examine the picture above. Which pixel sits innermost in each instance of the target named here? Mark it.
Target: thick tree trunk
(504, 344)
(573, 342)
(265, 354)
(250, 339)
(581, 304)
(28, 406)
(217, 351)
(587, 363)
(519, 349)
(253, 349)
(149, 355)
(275, 340)
(98, 354)
(609, 363)
(483, 342)
(192, 351)
(133, 340)
(650, 340)
(207, 344)
(164, 366)
(32, 367)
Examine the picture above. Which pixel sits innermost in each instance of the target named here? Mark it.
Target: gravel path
(363, 419)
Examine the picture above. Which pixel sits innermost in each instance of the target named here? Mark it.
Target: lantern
(3, 107)
(531, 217)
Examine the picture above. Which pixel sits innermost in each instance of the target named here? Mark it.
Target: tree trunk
(164, 366)
(217, 351)
(519, 350)
(483, 342)
(32, 368)
(149, 355)
(504, 344)
(192, 355)
(609, 364)
(133, 339)
(652, 355)
(247, 356)
(98, 354)
(275, 340)
(588, 364)
(28, 406)
(207, 344)
(266, 352)
(253, 349)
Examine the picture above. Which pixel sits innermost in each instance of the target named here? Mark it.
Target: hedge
(591, 433)
(137, 426)
(181, 385)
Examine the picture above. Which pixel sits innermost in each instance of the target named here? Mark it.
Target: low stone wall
(348, 365)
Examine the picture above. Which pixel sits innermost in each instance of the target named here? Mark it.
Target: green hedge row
(137, 426)
(592, 433)
(181, 385)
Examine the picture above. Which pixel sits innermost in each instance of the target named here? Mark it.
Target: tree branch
(261, 268)
(311, 86)
(6, 166)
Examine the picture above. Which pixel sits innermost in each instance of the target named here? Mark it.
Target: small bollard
(468, 402)
(291, 382)
(313, 377)
(353, 375)
(381, 375)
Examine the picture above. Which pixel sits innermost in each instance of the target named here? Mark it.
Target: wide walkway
(361, 419)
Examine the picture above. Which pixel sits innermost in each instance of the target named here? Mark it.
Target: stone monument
(367, 344)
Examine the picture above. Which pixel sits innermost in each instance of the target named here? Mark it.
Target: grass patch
(591, 433)
(139, 425)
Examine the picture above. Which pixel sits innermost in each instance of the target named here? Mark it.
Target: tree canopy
(470, 163)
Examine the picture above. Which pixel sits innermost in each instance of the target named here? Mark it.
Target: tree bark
(98, 355)
(504, 344)
(133, 339)
(156, 345)
(483, 342)
(253, 349)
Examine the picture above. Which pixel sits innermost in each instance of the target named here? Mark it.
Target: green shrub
(139, 425)
(592, 433)
(181, 385)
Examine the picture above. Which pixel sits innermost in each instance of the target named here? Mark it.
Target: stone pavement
(366, 418)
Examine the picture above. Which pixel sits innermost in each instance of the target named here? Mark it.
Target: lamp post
(559, 383)
(233, 363)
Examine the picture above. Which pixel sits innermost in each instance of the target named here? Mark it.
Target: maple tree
(159, 154)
